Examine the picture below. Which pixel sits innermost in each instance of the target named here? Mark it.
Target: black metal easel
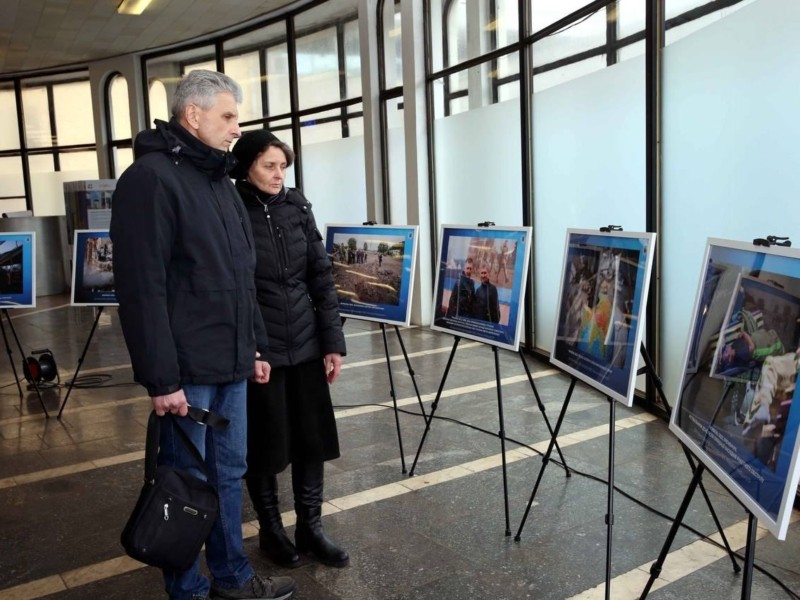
(80, 361)
(749, 557)
(501, 433)
(649, 368)
(546, 457)
(392, 389)
(22, 354)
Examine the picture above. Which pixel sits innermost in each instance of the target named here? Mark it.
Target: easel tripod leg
(80, 361)
(22, 353)
(546, 458)
(410, 369)
(655, 570)
(610, 511)
(749, 556)
(650, 369)
(429, 418)
(11, 357)
(542, 410)
(394, 397)
(502, 434)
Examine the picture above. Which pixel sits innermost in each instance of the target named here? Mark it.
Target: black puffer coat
(183, 265)
(294, 278)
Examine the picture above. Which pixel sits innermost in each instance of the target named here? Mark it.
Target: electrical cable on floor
(647, 507)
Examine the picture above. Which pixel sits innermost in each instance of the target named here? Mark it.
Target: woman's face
(268, 170)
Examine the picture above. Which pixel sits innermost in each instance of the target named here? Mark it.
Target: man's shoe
(258, 588)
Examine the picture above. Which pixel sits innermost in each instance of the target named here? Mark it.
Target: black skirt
(290, 419)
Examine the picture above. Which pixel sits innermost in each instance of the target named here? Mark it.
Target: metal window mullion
(294, 102)
(342, 77)
(51, 108)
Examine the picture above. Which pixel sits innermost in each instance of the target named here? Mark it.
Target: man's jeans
(225, 455)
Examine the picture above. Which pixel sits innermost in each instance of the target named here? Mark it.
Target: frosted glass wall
(478, 166)
(334, 180)
(589, 170)
(730, 154)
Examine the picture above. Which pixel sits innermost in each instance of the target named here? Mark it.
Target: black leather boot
(272, 538)
(308, 534)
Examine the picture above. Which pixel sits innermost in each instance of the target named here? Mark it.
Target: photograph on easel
(603, 294)
(92, 268)
(735, 406)
(373, 270)
(480, 282)
(17, 270)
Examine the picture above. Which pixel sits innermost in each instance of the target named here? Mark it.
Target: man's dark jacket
(487, 307)
(462, 297)
(183, 265)
(294, 280)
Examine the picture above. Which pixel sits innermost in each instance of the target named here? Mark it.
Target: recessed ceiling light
(132, 7)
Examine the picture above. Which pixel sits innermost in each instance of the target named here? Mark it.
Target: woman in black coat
(290, 419)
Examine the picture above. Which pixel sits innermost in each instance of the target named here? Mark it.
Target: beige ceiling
(37, 34)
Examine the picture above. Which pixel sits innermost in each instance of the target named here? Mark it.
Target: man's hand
(262, 371)
(174, 403)
(333, 364)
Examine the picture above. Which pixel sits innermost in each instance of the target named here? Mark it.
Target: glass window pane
(123, 158)
(352, 59)
(630, 17)
(41, 163)
(317, 69)
(242, 59)
(456, 34)
(78, 161)
(246, 71)
(120, 108)
(11, 183)
(392, 44)
(208, 65)
(159, 107)
(508, 65)
(506, 22)
(9, 132)
(74, 116)
(321, 127)
(278, 102)
(168, 70)
(37, 117)
(548, 79)
(355, 124)
(584, 35)
(548, 12)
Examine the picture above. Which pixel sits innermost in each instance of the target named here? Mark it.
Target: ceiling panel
(38, 34)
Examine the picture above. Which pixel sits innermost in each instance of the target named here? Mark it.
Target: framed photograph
(602, 299)
(92, 269)
(735, 408)
(480, 282)
(18, 270)
(373, 269)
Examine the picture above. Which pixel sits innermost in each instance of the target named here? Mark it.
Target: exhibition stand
(373, 270)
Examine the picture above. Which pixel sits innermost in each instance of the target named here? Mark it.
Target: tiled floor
(67, 486)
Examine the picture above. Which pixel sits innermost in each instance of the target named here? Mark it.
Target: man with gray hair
(184, 273)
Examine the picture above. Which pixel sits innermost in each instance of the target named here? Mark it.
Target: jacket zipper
(278, 243)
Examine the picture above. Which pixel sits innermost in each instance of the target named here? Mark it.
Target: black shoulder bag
(176, 510)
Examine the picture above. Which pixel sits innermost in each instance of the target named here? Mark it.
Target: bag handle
(200, 416)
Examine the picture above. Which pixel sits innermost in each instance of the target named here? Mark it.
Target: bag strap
(200, 416)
